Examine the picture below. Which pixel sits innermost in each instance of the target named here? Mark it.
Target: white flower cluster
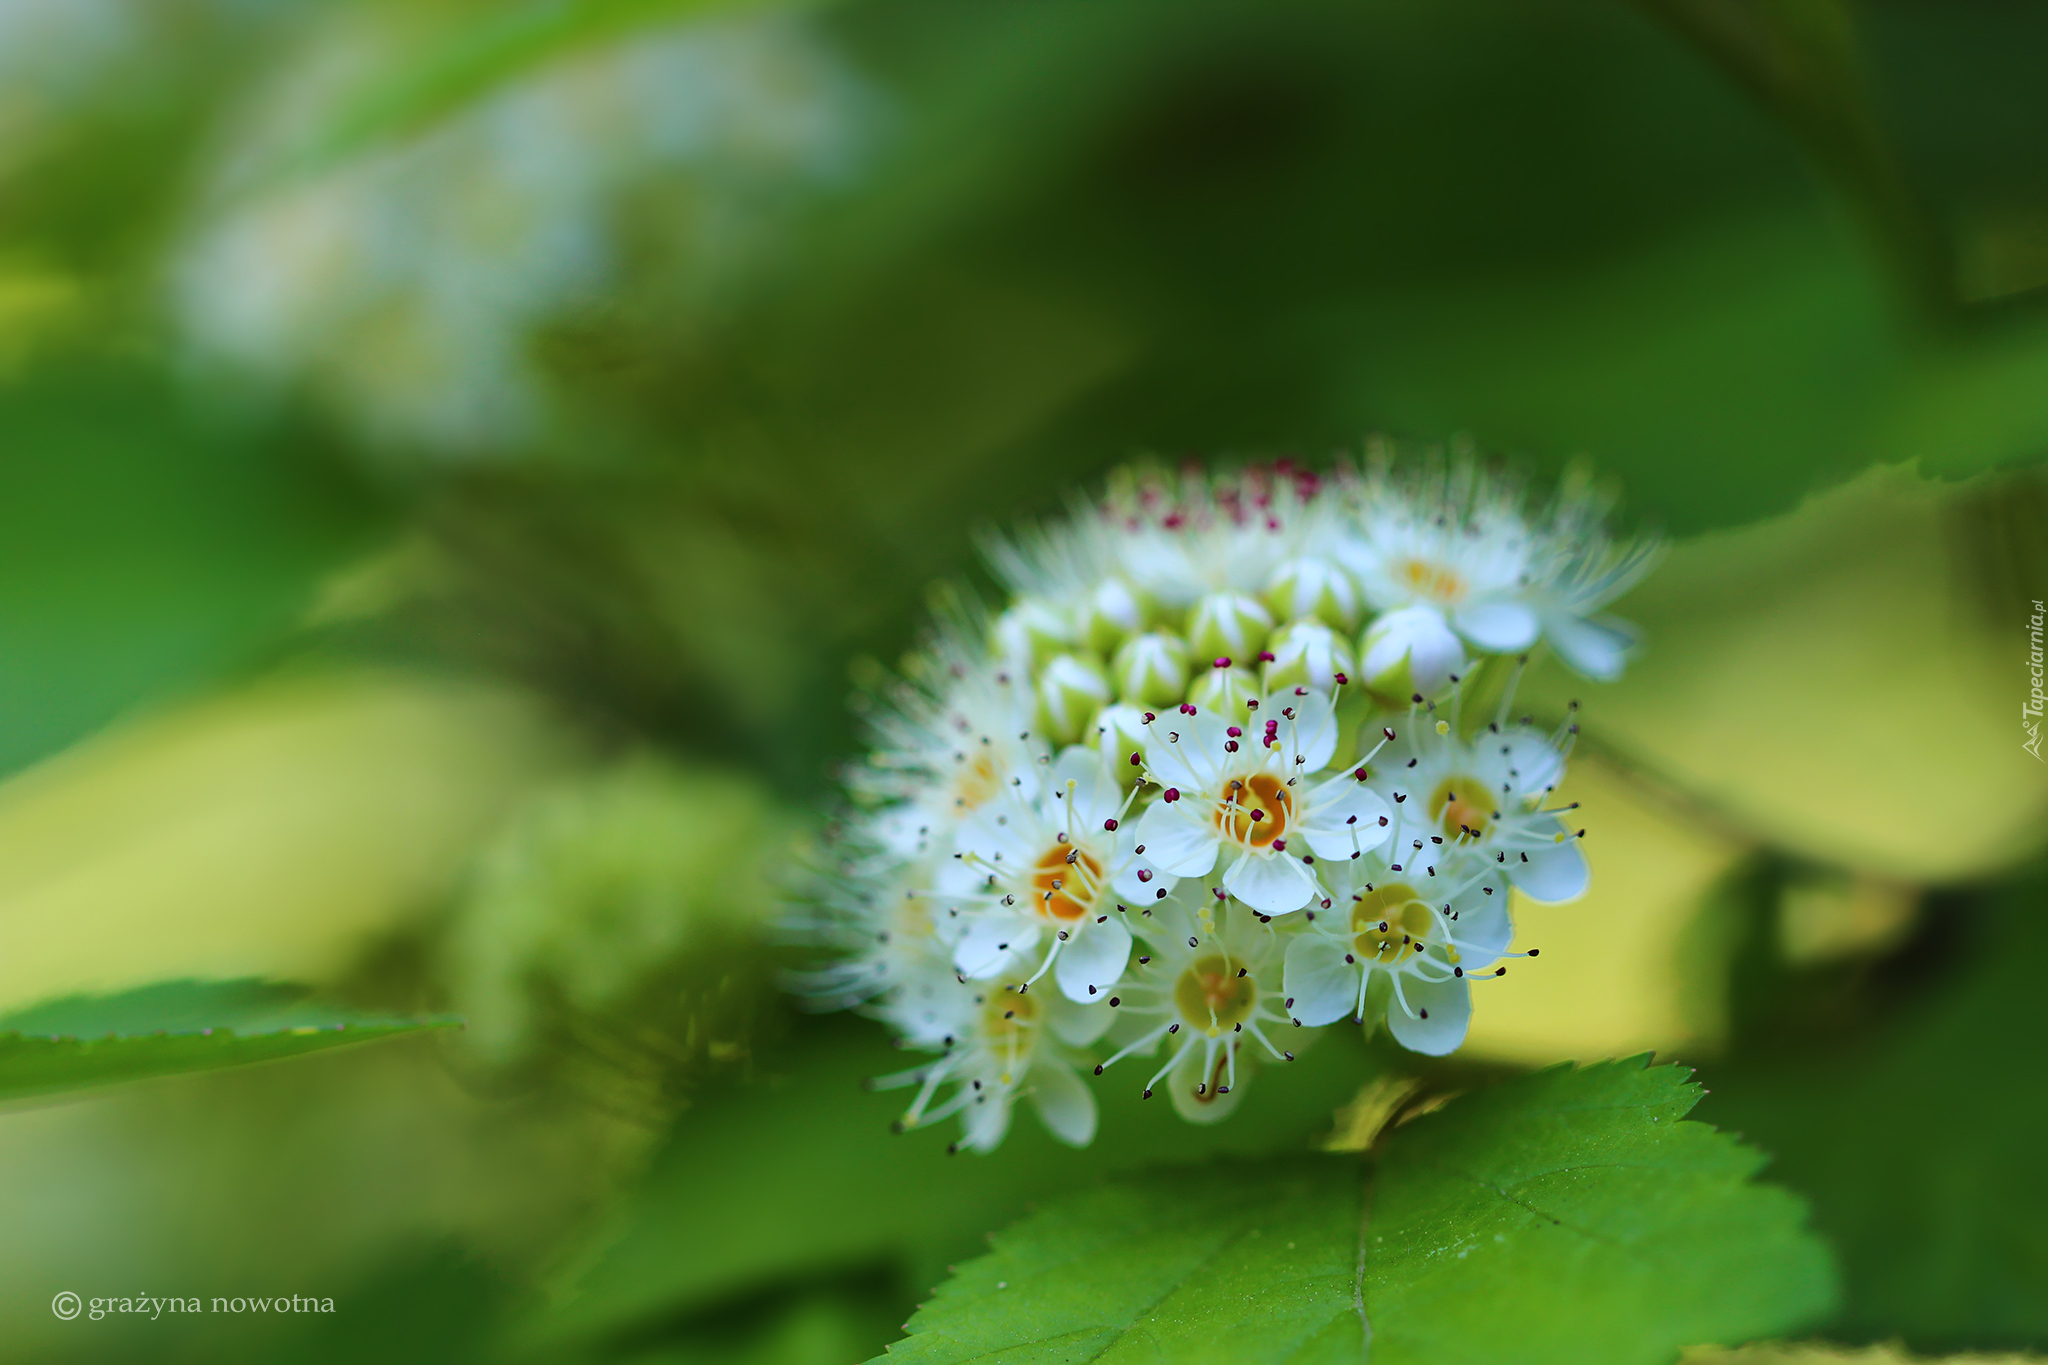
(1190, 792)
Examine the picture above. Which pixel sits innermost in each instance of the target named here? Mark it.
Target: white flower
(1209, 981)
(942, 754)
(999, 1042)
(1055, 865)
(1450, 559)
(1251, 793)
(1484, 794)
(882, 918)
(1403, 944)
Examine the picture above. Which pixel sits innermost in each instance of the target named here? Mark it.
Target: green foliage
(1569, 1216)
(801, 1175)
(83, 1041)
(150, 546)
(1935, 1204)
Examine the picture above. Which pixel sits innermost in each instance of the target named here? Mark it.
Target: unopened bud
(1031, 632)
(1224, 690)
(1113, 613)
(1070, 691)
(1312, 587)
(1411, 650)
(1151, 668)
(1228, 624)
(1117, 733)
(1308, 653)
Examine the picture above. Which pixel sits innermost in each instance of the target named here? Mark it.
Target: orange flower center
(1254, 810)
(1461, 806)
(1066, 882)
(1431, 580)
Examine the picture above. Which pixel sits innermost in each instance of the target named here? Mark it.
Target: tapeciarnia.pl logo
(2030, 713)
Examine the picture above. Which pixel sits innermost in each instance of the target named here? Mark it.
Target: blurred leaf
(148, 546)
(1918, 1140)
(1802, 60)
(1842, 682)
(276, 831)
(1567, 1217)
(743, 1197)
(1623, 969)
(84, 1040)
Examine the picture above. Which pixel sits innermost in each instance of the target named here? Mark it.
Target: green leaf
(150, 547)
(176, 1026)
(1567, 1216)
(801, 1176)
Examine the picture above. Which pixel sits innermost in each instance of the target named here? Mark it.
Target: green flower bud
(1120, 731)
(1113, 613)
(1031, 632)
(1070, 691)
(1309, 653)
(1151, 668)
(1228, 625)
(1225, 691)
(1314, 587)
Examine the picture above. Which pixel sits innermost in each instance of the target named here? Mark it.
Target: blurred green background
(457, 460)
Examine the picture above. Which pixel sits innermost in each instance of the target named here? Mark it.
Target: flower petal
(1270, 883)
(1171, 763)
(1484, 930)
(991, 942)
(1178, 841)
(1314, 737)
(1075, 1027)
(1095, 797)
(1094, 956)
(1064, 1104)
(1448, 1005)
(1498, 626)
(1004, 831)
(1328, 824)
(1556, 872)
(987, 1119)
(1523, 764)
(1596, 648)
(1142, 891)
(1322, 985)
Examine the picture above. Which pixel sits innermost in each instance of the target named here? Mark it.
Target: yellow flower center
(975, 781)
(1009, 1021)
(1461, 806)
(1212, 996)
(1391, 925)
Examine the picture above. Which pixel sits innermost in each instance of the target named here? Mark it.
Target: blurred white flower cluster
(403, 285)
(1203, 783)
